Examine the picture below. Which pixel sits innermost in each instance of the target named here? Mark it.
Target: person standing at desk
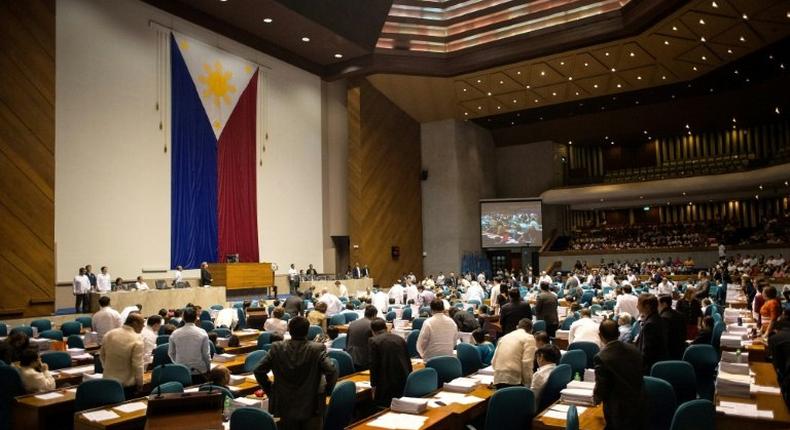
(356, 272)
(294, 304)
(103, 281)
(122, 355)
(546, 308)
(293, 280)
(189, 346)
(105, 319)
(514, 311)
(91, 276)
(514, 356)
(365, 271)
(178, 276)
(390, 364)
(82, 286)
(311, 273)
(439, 333)
(359, 333)
(205, 276)
(652, 338)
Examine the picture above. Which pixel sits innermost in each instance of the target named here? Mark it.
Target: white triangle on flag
(219, 77)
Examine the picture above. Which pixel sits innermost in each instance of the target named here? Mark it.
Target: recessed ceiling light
(666, 42)
(619, 86)
(515, 101)
(338, 55)
(554, 94)
(501, 82)
(466, 113)
(639, 78)
(570, 142)
(562, 63)
(528, 86)
(702, 39)
(479, 107)
(704, 58)
(687, 127)
(777, 111)
(518, 73)
(674, 28)
(734, 120)
(305, 39)
(268, 20)
(742, 39)
(595, 85)
(664, 77)
(570, 78)
(606, 53)
(464, 89)
(478, 81)
(631, 54)
(761, 187)
(536, 100)
(714, 4)
(744, 16)
(613, 69)
(577, 93)
(542, 73)
(644, 131)
(488, 93)
(701, 21)
(694, 68)
(684, 193)
(586, 64)
(499, 107)
(729, 51)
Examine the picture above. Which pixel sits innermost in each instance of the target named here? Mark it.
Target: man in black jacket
(513, 311)
(779, 348)
(652, 338)
(303, 375)
(675, 324)
(465, 321)
(205, 276)
(294, 305)
(618, 381)
(390, 364)
(546, 309)
(359, 334)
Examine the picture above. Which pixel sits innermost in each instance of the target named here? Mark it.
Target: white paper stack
(584, 385)
(223, 342)
(246, 401)
(734, 385)
(128, 408)
(409, 405)
(223, 358)
(91, 376)
(734, 357)
(578, 396)
(589, 375)
(461, 385)
(102, 415)
(731, 340)
(75, 351)
(49, 396)
(237, 379)
(562, 311)
(88, 368)
(765, 389)
(558, 411)
(392, 420)
(43, 344)
(486, 371)
(743, 410)
(562, 334)
(734, 368)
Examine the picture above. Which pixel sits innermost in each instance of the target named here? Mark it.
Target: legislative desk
(764, 375)
(590, 419)
(239, 276)
(153, 299)
(353, 285)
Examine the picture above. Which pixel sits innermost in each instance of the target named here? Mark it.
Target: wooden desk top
(765, 375)
(590, 419)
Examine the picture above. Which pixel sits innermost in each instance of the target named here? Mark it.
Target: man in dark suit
(703, 286)
(359, 334)
(676, 328)
(618, 381)
(205, 275)
(779, 348)
(390, 364)
(652, 338)
(294, 304)
(546, 309)
(297, 397)
(91, 276)
(365, 271)
(465, 321)
(356, 272)
(513, 311)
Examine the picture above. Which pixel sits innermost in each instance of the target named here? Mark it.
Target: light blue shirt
(189, 346)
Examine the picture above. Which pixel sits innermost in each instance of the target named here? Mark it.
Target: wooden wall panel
(384, 197)
(27, 158)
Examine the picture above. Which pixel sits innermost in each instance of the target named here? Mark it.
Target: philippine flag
(213, 130)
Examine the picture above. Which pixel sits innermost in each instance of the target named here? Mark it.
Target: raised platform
(153, 300)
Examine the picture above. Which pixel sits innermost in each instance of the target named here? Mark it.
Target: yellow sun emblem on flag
(217, 84)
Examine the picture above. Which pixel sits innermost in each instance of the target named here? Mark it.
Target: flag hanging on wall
(213, 128)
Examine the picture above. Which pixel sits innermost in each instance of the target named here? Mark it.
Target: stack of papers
(128, 408)
(246, 401)
(362, 385)
(731, 340)
(102, 415)
(743, 410)
(223, 358)
(445, 398)
(43, 344)
(236, 379)
(91, 376)
(765, 389)
(392, 420)
(75, 351)
(589, 375)
(562, 334)
(223, 342)
(409, 405)
(734, 368)
(88, 368)
(559, 411)
(578, 396)
(49, 396)
(483, 379)
(584, 385)
(461, 385)
(486, 371)
(734, 357)
(731, 384)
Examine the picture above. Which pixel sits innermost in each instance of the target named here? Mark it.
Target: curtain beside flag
(213, 179)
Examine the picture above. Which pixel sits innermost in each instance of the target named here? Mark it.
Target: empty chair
(510, 408)
(206, 325)
(589, 348)
(469, 357)
(341, 406)
(254, 359)
(3, 329)
(160, 355)
(350, 316)
(168, 387)
(86, 322)
(337, 319)
(162, 339)
(411, 343)
(577, 359)
(56, 359)
(12, 387)
(205, 315)
(75, 341)
(557, 381)
(51, 334)
(41, 325)
(661, 398)
(171, 372)
(344, 361)
(406, 315)
(715, 339)
(447, 368)
(417, 323)
(539, 325)
(704, 359)
(572, 418)
(694, 415)
(421, 382)
(340, 342)
(313, 331)
(26, 329)
(71, 327)
(680, 375)
(251, 419)
(98, 392)
(242, 324)
(264, 338)
(222, 332)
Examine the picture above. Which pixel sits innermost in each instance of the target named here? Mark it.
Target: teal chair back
(313, 331)
(341, 406)
(217, 307)
(350, 316)
(344, 361)
(211, 387)
(86, 322)
(75, 341)
(566, 323)
(286, 317)
(577, 359)
(715, 339)
(704, 359)
(572, 418)
(264, 338)
(171, 372)
(661, 398)
(26, 329)
(168, 387)
(340, 342)
(557, 381)
(406, 314)
(11, 384)
(421, 382)
(596, 309)
(510, 408)
(253, 360)
(417, 323)
(206, 325)
(635, 328)
(222, 332)
(242, 318)
(589, 348)
(469, 357)
(71, 327)
(41, 325)
(56, 359)
(391, 315)
(160, 355)
(51, 334)
(163, 339)
(679, 374)
(3, 329)
(251, 419)
(447, 367)
(539, 325)
(98, 392)
(694, 415)
(337, 319)
(411, 343)
(205, 315)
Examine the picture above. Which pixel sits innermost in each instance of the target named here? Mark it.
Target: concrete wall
(335, 167)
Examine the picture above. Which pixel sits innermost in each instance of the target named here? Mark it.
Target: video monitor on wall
(511, 223)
